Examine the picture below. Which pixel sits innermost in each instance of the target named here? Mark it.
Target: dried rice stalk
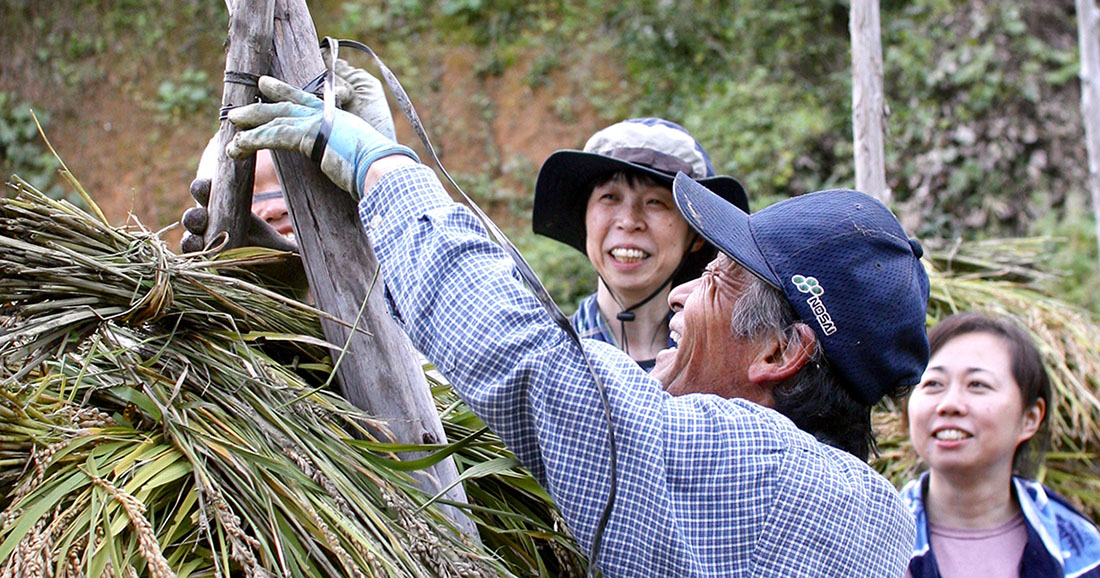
(134, 374)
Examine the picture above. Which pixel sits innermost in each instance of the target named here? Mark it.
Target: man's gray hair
(760, 310)
(813, 399)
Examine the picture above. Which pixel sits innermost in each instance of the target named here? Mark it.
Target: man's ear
(783, 356)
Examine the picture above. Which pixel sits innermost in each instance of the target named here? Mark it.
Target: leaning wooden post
(381, 371)
(248, 55)
(1087, 38)
(868, 102)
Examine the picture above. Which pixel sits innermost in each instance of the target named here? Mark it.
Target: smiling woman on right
(977, 419)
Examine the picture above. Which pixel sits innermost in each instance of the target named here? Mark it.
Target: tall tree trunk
(868, 101)
(1087, 38)
(380, 371)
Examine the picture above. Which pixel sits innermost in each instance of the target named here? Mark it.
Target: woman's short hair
(1027, 369)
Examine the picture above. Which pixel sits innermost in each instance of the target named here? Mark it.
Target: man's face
(266, 204)
(709, 358)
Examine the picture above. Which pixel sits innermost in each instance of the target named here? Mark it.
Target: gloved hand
(361, 94)
(293, 121)
(286, 274)
(196, 219)
(357, 92)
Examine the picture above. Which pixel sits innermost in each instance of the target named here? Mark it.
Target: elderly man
(815, 308)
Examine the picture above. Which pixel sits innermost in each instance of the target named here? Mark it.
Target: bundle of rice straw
(163, 418)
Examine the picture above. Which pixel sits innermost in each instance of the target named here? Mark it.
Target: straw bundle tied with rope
(163, 418)
(169, 417)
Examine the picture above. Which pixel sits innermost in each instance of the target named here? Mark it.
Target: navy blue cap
(846, 266)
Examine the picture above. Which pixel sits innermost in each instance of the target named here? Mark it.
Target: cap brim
(722, 224)
(561, 191)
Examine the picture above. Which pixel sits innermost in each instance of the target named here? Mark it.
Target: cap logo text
(815, 290)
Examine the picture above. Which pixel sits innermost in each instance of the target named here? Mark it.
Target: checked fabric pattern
(707, 486)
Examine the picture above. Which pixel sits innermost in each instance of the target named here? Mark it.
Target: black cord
(627, 315)
(525, 270)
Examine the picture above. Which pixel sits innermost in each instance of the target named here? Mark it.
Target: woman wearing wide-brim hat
(613, 202)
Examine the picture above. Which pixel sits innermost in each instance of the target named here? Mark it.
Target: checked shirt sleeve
(459, 299)
(707, 486)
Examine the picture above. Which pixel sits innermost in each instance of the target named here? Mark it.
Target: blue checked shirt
(707, 486)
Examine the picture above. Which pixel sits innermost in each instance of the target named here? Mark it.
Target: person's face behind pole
(635, 238)
(271, 208)
(709, 358)
(966, 416)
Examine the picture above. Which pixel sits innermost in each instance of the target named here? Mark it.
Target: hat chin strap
(627, 314)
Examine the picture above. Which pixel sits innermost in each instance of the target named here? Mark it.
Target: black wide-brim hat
(654, 147)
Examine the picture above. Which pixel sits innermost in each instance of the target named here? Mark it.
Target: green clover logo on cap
(807, 285)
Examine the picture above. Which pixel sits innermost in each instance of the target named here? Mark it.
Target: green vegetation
(22, 150)
(187, 94)
(982, 107)
(984, 134)
(1073, 258)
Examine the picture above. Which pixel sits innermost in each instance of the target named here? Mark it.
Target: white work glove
(293, 121)
(365, 97)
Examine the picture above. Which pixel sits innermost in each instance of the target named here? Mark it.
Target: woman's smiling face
(966, 416)
(635, 237)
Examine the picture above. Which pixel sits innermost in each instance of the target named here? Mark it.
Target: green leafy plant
(22, 151)
(184, 94)
(980, 101)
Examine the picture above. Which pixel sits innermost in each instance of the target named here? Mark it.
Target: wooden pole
(380, 371)
(248, 52)
(1089, 41)
(868, 102)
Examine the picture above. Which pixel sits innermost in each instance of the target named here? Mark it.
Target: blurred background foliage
(984, 132)
(21, 150)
